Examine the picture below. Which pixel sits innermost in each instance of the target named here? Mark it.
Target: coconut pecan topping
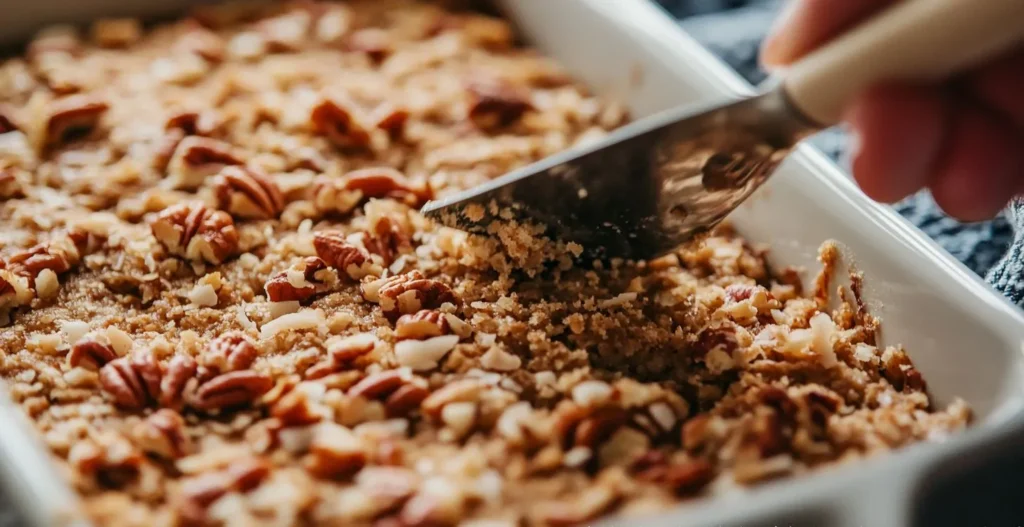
(411, 292)
(496, 103)
(338, 253)
(230, 390)
(193, 231)
(196, 158)
(422, 325)
(340, 120)
(72, 116)
(301, 282)
(247, 193)
(229, 352)
(90, 353)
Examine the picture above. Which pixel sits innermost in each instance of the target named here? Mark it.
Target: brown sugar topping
(220, 304)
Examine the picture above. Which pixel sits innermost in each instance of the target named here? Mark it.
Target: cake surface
(219, 303)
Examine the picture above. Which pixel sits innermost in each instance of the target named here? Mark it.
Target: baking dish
(964, 338)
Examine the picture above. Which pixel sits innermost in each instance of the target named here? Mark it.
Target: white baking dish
(965, 338)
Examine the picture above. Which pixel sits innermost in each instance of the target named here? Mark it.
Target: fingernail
(777, 45)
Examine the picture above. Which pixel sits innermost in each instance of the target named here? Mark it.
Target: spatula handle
(914, 41)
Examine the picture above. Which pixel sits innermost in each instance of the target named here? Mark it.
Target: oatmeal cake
(221, 306)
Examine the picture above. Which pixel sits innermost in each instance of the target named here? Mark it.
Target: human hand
(963, 139)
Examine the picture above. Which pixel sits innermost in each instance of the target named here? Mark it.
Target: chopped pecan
(386, 182)
(295, 409)
(581, 508)
(195, 158)
(229, 352)
(59, 255)
(333, 248)
(75, 115)
(91, 354)
(485, 31)
(180, 369)
(689, 477)
(200, 492)
(286, 32)
(340, 120)
(334, 452)
(192, 122)
(387, 239)
(229, 390)
(496, 103)
(247, 193)
(376, 43)
(132, 381)
(391, 119)
(462, 390)
(576, 425)
(10, 184)
(299, 283)
(399, 392)
(412, 292)
(163, 434)
(405, 399)
(7, 123)
(195, 232)
(342, 352)
(422, 325)
(202, 42)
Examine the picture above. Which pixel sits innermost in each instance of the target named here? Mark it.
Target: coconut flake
(619, 300)
(591, 393)
(497, 359)
(423, 355)
(309, 319)
(203, 295)
(822, 331)
(73, 330)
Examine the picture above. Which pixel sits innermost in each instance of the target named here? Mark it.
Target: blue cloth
(734, 29)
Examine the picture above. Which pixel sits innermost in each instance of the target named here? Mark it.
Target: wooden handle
(914, 41)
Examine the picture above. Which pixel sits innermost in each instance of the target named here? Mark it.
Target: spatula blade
(641, 191)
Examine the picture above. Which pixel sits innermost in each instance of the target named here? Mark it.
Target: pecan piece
(340, 120)
(342, 352)
(412, 292)
(195, 158)
(386, 182)
(200, 492)
(232, 389)
(334, 452)
(202, 42)
(460, 391)
(90, 354)
(192, 122)
(163, 434)
(7, 123)
(391, 119)
(421, 325)
(76, 115)
(180, 369)
(229, 352)
(10, 184)
(334, 249)
(378, 384)
(295, 409)
(300, 283)
(496, 103)
(376, 43)
(689, 477)
(247, 193)
(131, 381)
(195, 232)
(59, 255)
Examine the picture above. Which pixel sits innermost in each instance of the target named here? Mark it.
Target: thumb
(804, 25)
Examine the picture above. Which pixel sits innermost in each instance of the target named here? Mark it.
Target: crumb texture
(220, 306)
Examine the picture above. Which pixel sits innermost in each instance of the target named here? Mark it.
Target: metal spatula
(655, 183)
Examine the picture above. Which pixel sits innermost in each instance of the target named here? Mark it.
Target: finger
(898, 132)
(980, 168)
(806, 24)
(1000, 86)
